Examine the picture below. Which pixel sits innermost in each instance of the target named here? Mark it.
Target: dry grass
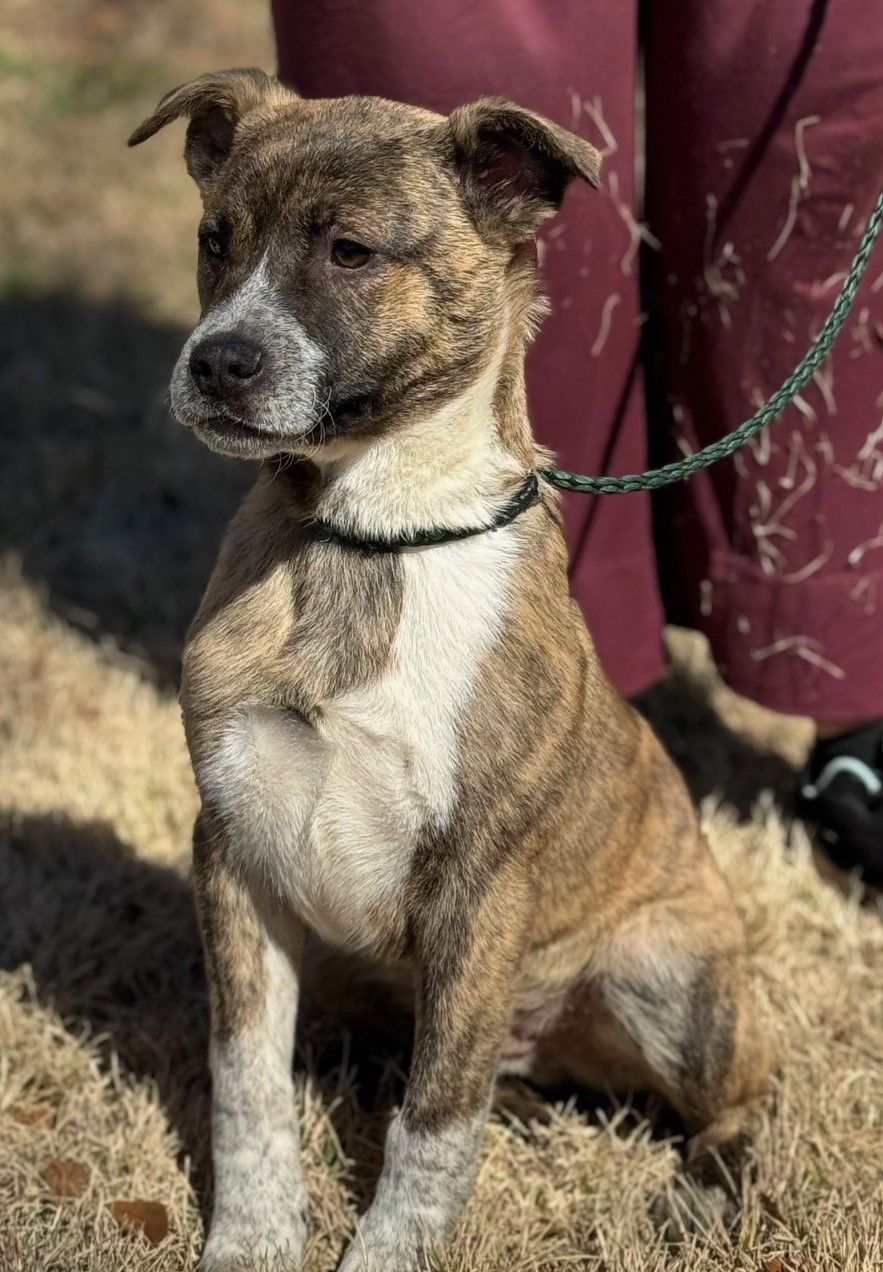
(108, 519)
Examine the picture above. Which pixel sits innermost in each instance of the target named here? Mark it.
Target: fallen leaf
(66, 1178)
(776, 1264)
(40, 1115)
(149, 1217)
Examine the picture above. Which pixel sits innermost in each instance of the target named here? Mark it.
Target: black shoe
(841, 791)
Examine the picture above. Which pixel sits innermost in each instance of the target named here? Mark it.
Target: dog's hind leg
(252, 959)
(676, 982)
(667, 1006)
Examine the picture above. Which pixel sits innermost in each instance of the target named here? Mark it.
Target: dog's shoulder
(286, 619)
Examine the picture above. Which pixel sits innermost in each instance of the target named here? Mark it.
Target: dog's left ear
(515, 165)
(215, 104)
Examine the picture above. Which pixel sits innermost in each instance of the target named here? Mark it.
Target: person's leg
(765, 157)
(574, 62)
(763, 167)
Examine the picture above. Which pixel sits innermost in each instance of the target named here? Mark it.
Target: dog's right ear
(215, 103)
(514, 165)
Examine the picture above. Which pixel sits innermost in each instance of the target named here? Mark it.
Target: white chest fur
(327, 817)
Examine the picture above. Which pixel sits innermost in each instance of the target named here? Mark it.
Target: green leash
(683, 468)
(528, 492)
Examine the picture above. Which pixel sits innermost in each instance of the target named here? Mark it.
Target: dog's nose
(224, 365)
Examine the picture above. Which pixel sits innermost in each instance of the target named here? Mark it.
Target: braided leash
(683, 468)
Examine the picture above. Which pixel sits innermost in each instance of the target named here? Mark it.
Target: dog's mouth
(229, 425)
(303, 419)
(233, 436)
(223, 431)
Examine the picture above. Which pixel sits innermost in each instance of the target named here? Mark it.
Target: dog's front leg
(252, 960)
(466, 959)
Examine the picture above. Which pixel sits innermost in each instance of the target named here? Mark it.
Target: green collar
(526, 494)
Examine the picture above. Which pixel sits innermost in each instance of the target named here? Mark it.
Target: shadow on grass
(114, 948)
(113, 945)
(109, 504)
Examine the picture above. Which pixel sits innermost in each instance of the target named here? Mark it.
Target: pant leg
(584, 391)
(765, 155)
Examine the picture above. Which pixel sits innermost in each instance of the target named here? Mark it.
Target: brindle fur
(569, 899)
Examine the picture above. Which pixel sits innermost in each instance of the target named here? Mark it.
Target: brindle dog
(414, 754)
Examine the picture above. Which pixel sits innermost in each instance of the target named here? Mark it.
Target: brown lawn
(108, 519)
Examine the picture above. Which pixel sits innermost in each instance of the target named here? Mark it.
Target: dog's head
(356, 256)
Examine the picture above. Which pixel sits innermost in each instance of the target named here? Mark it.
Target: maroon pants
(764, 154)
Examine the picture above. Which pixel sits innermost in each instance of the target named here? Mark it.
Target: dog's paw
(361, 1258)
(690, 1208)
(365, 1255)
(238, 1250)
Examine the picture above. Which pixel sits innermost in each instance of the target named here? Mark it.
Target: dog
(403, 740)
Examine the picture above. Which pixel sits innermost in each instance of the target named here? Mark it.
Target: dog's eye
(350, 255)
(213, 244)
